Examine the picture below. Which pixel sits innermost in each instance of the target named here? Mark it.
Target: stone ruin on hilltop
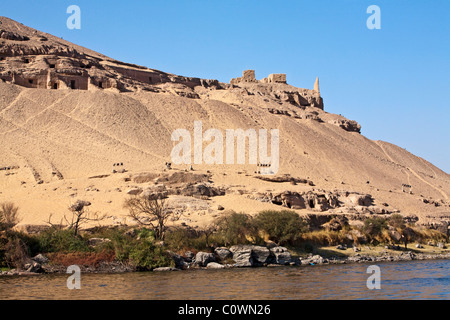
(249, 76)
(275, 85)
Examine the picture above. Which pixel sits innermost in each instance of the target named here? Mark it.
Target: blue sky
(393, 81)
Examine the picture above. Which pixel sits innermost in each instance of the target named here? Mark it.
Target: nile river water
(399, 280)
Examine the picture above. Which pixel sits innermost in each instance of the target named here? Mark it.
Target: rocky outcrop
(256, 256)
(312, 260)
(336, 223)
(347, 125)
(134, 191)
(333, 202)
(357, 199)
(300, 200)
(285, 178)
(31, 58)
(199, 189)
(12, 36)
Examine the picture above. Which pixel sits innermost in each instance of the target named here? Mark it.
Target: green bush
(283, 227)
(374, 226)
(122, 246)
(146, 256)
(140, 249)
(147, 234)
(236, 228)
(184, 239)
(57, 240)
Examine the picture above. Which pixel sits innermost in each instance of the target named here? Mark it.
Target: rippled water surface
(402, 280)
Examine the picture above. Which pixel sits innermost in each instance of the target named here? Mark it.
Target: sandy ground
(57, 140)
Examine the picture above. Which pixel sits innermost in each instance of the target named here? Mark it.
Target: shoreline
(116, 267)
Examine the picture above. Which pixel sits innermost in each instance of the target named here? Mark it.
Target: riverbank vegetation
(145, 247)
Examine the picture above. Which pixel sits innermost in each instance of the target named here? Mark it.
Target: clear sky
(394, 81)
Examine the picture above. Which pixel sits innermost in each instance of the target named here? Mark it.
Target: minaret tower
(316, 85)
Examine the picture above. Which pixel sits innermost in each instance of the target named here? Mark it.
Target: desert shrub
(58, 240)
(121, 244)
(146, 234)
(15, 253)
(283, 227)
(180, 239)
(386, 236)
(187, 239)
(31, 242)
(325, 237)
(140, 249)
(374, 227)
(8, 215)
(424, 235)
(236, 228)
(145, 255)
(397, 221)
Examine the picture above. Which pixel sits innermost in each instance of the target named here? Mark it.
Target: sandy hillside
(60, 145)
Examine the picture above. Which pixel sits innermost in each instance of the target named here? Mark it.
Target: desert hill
(69, 114)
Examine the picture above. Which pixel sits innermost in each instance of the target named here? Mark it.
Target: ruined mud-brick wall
(275, 78)
(249, 76)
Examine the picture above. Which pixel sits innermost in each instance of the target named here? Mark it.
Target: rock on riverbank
(239, 256)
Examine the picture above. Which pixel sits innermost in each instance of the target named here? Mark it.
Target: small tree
(235, 228)
(79, 216)
(398, 222)
(151, 211)
(374, 227)
(281, 226)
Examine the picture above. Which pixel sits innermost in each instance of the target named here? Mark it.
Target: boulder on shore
(203, 258)
(281, 255)
(223, 253)
(261, 255)
(180, 263)
(214, 265)
(254, 256)
(165, 269)
(242, 255)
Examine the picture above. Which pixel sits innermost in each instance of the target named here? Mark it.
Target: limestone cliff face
(34, 59)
